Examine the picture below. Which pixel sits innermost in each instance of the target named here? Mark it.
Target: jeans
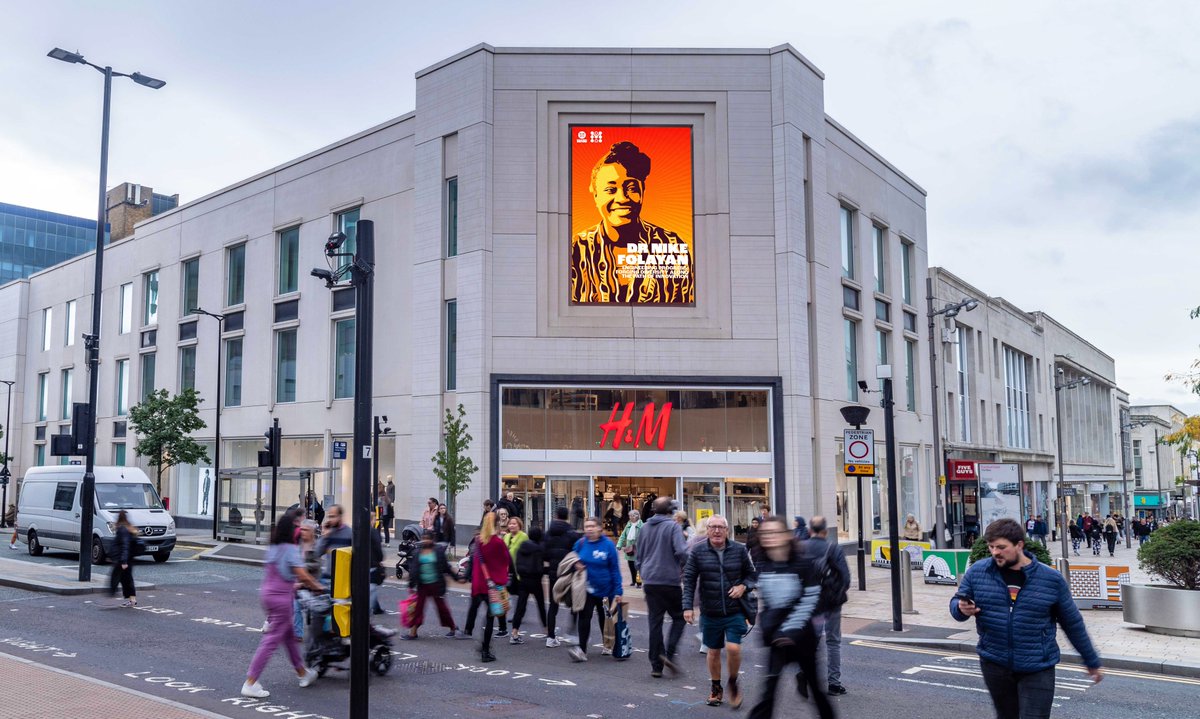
(489, 625)
(833, 645)
(664, 599)
(591, 604)
(1016, 695)
(804, 654)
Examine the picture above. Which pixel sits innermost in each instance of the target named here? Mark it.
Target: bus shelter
(244, 513)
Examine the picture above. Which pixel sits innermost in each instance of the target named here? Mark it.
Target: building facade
(1157, 467)
(774, 262)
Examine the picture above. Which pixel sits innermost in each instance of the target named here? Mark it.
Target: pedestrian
(790, 589)
(560, 538)
(627, 545)
(1110, 534)
(800, 531)
(1076, 537)
(427, 572)
(376, 573)
(598, 557)
(1017, 646)
(681, 519)
(10, 517)
(489, 571)
(513, 539)
(124, 547)
(1088, 524)
(307, 547)
(387, 516)
(1094, 538)
(443, 527)
(509, 504)
(530, 564)
(752, 541)
(912, 529)
(284, 567)
(427, 516)
(721, 570)
(826, 552)
(313, 509)
(661, 554)
(335, 534)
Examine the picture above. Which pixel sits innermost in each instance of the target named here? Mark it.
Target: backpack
(833, 590)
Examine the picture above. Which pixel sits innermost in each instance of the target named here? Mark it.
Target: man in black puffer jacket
(560, 538)
(726, 576)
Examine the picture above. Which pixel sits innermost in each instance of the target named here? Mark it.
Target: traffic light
(270, 454)
(81, 422)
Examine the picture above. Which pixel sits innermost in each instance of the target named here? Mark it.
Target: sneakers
(12, 547)
(515, 639)
(255, 690)
(459, 634)
(501, 632)
(553, 642)
(128, 603)
(735, 693)
(408, 637)
(716, 696)
(605, 652)
(577, 654)
(836, 690)
(487, 657)
(309, 678)
(656, 673)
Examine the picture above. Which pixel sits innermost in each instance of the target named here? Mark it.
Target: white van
(48, 513)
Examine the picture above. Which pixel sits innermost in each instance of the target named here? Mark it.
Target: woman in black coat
(124, 547)
(443, 526)
(530, 566)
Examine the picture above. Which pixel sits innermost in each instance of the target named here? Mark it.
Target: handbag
(408, 610)
(497, 596)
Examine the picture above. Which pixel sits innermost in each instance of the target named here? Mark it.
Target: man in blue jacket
(1016, 602)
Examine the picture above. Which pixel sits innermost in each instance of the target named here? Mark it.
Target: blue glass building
(32, 240)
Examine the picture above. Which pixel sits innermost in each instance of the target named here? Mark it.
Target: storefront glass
(574, 493)
(744, 498)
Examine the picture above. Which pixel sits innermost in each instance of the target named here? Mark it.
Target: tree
(452, 465)
(164, 425)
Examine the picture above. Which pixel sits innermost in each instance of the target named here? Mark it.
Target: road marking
(36, 647)
(493, 672)
(170, 683)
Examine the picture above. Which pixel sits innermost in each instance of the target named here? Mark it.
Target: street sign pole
(858, 446)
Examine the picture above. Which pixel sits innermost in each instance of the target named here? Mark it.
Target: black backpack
(833, 589)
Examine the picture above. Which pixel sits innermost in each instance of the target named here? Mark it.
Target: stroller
(409, 540)
(325, 648)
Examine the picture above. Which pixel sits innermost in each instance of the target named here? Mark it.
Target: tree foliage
(452, 465)
(1173, 553)
(979, 550)
(164, 425)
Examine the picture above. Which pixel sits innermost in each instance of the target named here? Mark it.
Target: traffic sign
(339, 450)
(859, 446)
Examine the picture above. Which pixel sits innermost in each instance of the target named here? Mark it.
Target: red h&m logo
(648, 428)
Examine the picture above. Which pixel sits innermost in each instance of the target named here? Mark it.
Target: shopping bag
(408, 611)
(497, 600)
(622, 646)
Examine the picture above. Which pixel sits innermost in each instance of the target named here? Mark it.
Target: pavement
(21, 574)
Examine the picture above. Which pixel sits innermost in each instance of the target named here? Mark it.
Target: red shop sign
(649, 427)
(961, 470)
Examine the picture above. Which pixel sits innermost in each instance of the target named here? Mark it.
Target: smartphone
(964, 598)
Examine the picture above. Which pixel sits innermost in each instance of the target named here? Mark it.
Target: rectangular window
(851, 329)
(452, 217)
(910, 322)
(881, 349)
(850, 297)
(149, 363)
(40, 455)
(880, 273)
(233, 372)
(126, 325)
(285, 366)
(150, 291)
(289, 260)
(122, 387)
(883, 311)
(191, 286)
(66, 393)
(452, 344)
(962, 355)
(1016, 393)
(47, 320)
(64, 496)
(187, 368)
(347, 224)
(343, 359)
(910, 373)
(906, 270)
(847, 224)
(119, 454)
(235, 275)
(43, 389)
(69, 339)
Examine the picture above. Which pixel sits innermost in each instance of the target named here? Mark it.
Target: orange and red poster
(632, 239)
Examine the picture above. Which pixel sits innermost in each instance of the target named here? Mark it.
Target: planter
(1162, 609)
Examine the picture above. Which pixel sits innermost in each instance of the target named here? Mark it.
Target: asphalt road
(192, 638)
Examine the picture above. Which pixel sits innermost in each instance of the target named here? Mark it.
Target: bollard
(1064, 568)
(906, 585)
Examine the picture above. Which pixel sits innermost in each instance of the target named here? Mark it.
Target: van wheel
(98, 555)
(35, 547)
(161, 557)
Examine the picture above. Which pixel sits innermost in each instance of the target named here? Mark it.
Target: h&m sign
(650, 429)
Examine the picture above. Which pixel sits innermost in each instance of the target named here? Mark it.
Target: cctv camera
(334, 243)
(384, 418)
(322, 274)
(1060, 370)
(862, 385)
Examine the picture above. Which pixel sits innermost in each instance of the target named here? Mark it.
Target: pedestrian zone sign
(859, 445)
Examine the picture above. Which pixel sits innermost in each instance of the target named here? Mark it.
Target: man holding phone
(1017, 602)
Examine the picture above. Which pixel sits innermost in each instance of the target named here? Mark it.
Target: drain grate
(421, 667)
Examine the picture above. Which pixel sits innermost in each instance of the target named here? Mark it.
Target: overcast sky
(1059, 142)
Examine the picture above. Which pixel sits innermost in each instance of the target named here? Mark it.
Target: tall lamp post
(1059, 386)
(217, 428)
(1125, 430)
(5, 475)
(87, 492)
(950, 310)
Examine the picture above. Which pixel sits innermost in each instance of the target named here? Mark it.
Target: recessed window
(285, 366)
(235, 275)
(233, 372)
(879, 235)
(191, 286)
(234, 321)
(150, 292)
(347, 224)
(119, 454)
(910, 322)
(187, 331)
(149, 364)
(343, 359)
(343, 299)
(910, 373)
(289, 260)
(451, 344)
(883, 311)
(149, 338)
(122, 387)
(851, 346)
(847, 227)
(850, 297)
(69, 339)
(906, 272)
(187, 368)
(882, 353)
(43, 389)
(452, 217)
(286, 311)
(126, 321)
(47, 321)
(67, 388)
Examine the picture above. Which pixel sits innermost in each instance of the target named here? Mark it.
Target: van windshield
(127, 495)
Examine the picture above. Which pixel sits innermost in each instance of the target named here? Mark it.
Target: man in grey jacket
(823, 549)
(661, 553)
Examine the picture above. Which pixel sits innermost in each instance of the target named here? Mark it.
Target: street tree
(164, 424)
(452, 465)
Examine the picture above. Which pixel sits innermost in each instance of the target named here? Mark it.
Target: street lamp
(950, 310)
(1125, 428)
(1059, 386)
(4, 473)
(217, 429)
(87, 492)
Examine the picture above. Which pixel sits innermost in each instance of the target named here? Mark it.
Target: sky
(1059, 142)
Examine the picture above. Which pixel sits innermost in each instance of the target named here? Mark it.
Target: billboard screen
(632, 240)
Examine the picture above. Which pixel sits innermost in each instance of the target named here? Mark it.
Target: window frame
(189, 285)
(350, 246)
(879, 245)
(280, 270)
(451, 345)
(279, 374)
(121, 393)
(349, 374)
(150, 291)
(846, 242)
(231, 252)
(850, 347)
(69, 328)
(66, 385)
(125, 306)
(47, 327)
(183, 367)
(450, 185)
(231, 372)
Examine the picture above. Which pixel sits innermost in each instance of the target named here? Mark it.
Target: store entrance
(529, 495)
(615, 496)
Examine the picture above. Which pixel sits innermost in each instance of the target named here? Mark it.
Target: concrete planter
(1162, 609)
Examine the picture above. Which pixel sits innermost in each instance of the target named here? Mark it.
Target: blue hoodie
(603, 566)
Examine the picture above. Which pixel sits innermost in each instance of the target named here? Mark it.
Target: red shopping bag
(408, 611)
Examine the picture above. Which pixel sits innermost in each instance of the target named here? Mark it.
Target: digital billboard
(632, 240)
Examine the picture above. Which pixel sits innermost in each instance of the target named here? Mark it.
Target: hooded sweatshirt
(603, 567)
(661, 551)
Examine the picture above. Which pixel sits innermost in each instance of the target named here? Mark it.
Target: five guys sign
(648, 429)
(961, 470)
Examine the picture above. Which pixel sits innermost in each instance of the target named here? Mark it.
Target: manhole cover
(421, 667)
